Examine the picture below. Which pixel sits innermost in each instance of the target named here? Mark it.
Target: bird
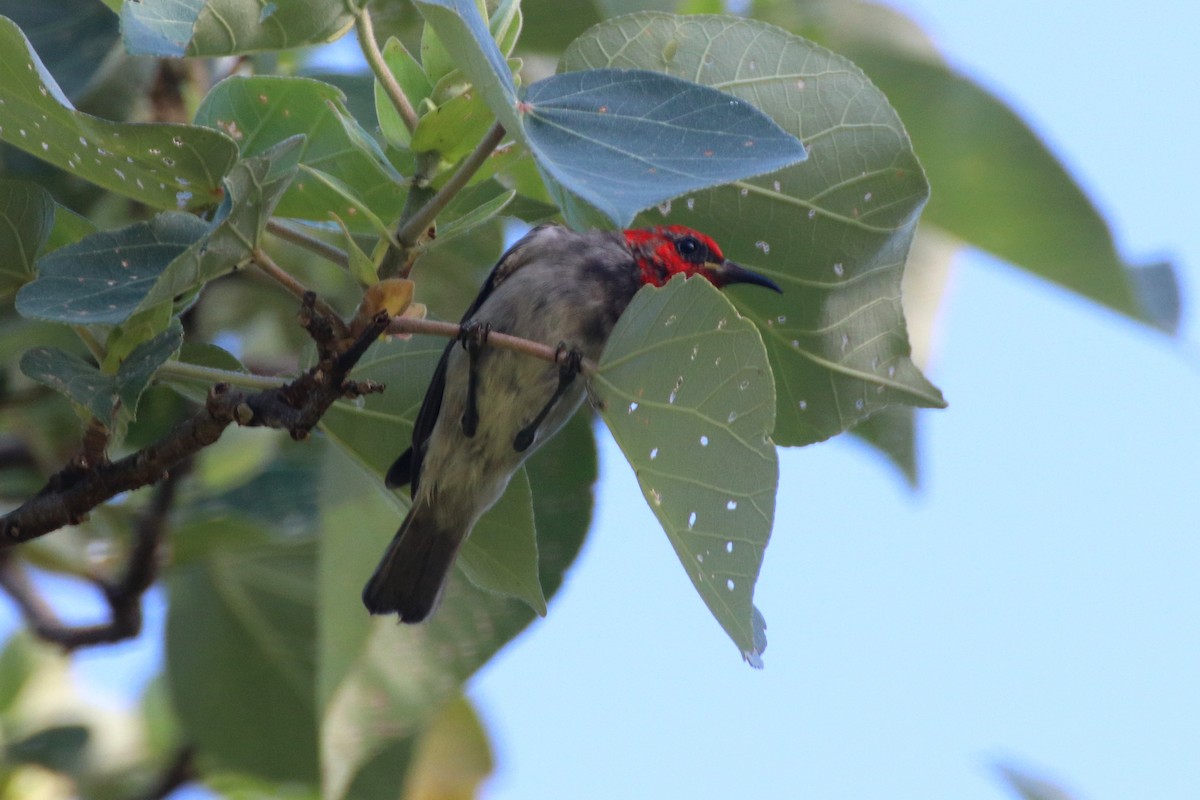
(487, 409)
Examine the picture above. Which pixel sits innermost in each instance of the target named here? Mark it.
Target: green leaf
(833, 232)
(261, 112)
(161, 165)
(61, 748)
(464, 34)
(361, 266)
(104, 277)
(501, 554)
(413, 82)
(505, 24)
(455, 127)
(625, 140)
(240, 653)
(252, 191)
(159, 27)
(69, 228)
(104, 396)
(75, 36)
(226, 27)
(687, 391)
(135, 372)
(26, 219)
(471, 208)
(1000, 189)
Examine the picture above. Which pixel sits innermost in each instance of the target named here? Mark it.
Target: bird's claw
(568, 367)
(472, 335)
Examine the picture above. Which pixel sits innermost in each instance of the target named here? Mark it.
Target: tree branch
(414, 227)
(284, 279)
(124, 596)
(295, 407)
(421, 208)
(366, 41)
(296, 236)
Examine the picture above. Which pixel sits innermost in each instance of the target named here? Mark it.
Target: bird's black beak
(728, 272)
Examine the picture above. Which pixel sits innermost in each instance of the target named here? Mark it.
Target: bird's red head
(668, 250)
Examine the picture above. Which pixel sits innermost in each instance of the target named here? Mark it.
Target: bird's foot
(472, 335)
(569, 365)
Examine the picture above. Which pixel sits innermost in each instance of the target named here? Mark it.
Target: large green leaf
(161, 165)
(625, 140)
(225, 27)
(833, 232)
(26, 219)
(104, 277)
(260, 112)
(1000, 189)
(687, 392)
(241, 655)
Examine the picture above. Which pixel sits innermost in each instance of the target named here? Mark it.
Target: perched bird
(487, 409)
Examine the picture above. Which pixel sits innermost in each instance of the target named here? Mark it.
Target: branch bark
(296, 407)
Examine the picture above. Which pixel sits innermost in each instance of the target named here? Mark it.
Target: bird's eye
(691, 248)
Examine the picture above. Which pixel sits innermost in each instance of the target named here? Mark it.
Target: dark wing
(407, 468)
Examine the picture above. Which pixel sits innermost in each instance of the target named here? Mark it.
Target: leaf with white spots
(161, 165)
(104, 396)
(179, 28)
(687, 391)
(262, 111)
(103, 278)
(108, 277)
(252, 191)
(833, 232)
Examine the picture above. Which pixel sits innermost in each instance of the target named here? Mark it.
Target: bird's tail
(412, 574)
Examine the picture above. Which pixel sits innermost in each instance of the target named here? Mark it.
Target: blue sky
(1035, 603)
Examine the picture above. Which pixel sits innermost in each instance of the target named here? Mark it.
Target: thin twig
(124, 596)
(296, 236)
(181, 370)
(284, 279)
(416, 225)
(554, 355)
(370, 48)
